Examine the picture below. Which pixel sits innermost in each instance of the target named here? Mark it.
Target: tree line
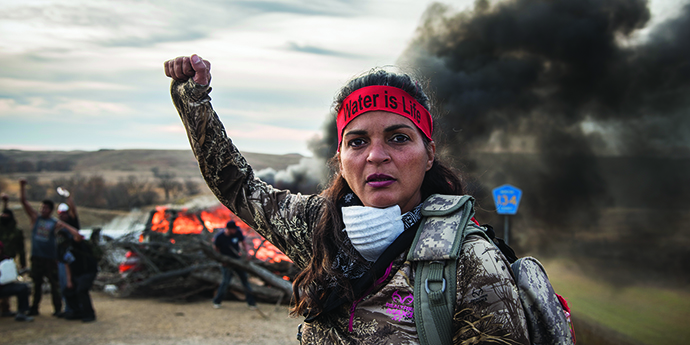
(130, 192)
(8, 165)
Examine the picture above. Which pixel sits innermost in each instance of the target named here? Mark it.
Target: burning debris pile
(173, 258)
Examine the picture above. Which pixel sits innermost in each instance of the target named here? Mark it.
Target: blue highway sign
(507, 199)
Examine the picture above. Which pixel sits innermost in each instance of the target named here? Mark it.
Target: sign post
(507, 200)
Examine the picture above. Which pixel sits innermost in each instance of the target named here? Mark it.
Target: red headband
(384, 98)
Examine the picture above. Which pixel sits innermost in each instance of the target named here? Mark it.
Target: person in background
(43, 250)
(227, 242)
(13, 238)
(20, 290)
(67, 212)
(81, 270)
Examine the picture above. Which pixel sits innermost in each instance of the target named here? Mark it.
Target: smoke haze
(304, 177)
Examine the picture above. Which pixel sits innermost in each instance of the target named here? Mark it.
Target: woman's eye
(356, 142)
(400, 138)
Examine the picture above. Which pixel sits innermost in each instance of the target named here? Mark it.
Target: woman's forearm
(285, 219)
(221, 164)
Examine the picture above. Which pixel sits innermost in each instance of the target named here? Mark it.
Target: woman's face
(383, 159)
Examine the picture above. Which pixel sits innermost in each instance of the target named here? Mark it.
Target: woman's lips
(379, 180)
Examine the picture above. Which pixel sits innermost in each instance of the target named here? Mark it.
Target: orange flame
(159, 221)
(186, 223)
(211, 219)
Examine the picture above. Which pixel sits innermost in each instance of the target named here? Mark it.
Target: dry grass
(146, 321)
(643, 314)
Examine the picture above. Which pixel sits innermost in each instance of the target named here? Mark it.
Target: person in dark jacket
(13, 238)
(81, 270)
(227, 242)
(67, 212)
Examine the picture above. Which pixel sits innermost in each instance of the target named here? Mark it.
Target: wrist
(197, 92)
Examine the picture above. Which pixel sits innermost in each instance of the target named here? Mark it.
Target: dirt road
(147, 321)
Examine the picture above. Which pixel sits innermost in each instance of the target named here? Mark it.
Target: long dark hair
(311, 285)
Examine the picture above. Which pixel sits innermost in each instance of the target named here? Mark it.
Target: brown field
(148, 321)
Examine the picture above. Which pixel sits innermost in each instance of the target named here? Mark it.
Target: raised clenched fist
(185, 67)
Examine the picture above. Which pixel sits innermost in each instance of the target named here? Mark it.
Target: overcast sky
(86, 75)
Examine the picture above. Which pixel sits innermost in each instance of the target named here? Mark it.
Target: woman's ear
(340, 162)
(431, 152)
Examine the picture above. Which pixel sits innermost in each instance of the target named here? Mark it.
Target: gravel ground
(148, 321)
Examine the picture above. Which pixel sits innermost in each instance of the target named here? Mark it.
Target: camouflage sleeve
(488, 307)
(283, 218)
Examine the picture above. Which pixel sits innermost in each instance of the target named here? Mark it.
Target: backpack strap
(435, 250)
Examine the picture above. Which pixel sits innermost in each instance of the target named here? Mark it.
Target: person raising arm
(43, 250)
(351, 241)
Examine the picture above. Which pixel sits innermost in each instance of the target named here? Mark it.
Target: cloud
(96, 67)
(268, 132)
(28, 85)
(99, 24)
(153, 39)
(83, 14)
(284, 114)
(309, 49)
(177, 128)
(143, 23)
(92, 108)
(42, 108)
(11, 108)
(311, 8)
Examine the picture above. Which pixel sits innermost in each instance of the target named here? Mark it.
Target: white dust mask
(371, 230)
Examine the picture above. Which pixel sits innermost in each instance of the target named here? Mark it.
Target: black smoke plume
(571, 100)
(512, 68)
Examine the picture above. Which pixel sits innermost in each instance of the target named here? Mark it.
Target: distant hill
(117, 163)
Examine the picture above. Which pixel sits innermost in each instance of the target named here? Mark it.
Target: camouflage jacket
(13, 240)
(487, 308)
